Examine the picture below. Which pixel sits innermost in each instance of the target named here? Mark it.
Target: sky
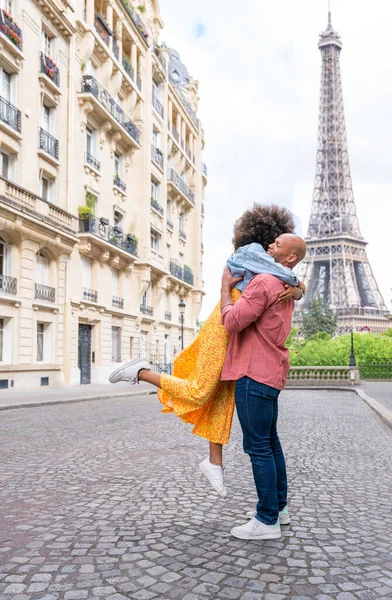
(258, 67)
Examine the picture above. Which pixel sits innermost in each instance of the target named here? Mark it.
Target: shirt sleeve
(253, 302)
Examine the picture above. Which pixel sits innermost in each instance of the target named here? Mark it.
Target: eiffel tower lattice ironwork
(336, 267)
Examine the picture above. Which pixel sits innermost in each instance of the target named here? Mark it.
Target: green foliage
(85, 212)
(320, 350)
(318, 318)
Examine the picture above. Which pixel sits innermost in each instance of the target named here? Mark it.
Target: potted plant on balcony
(141, 8)
(85, 212)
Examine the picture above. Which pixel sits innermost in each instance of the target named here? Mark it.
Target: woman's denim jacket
(252, 260)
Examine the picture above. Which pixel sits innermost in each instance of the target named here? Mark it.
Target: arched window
(42, 268)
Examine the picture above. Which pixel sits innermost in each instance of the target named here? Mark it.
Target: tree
(318, 318)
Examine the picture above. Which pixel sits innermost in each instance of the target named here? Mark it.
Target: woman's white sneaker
(129, 371)
(215, 475)
(284, 515)
(256, 530)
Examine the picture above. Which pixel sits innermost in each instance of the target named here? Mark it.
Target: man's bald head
(288, 249)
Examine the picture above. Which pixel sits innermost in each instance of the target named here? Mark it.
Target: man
(258, 361)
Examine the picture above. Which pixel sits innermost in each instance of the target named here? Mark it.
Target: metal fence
(376, 370)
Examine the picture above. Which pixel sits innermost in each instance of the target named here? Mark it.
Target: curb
(76, 400)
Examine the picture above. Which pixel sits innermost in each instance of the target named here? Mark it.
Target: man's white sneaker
(129, 371)
(215, 475)
(256, 530)
(284, 515)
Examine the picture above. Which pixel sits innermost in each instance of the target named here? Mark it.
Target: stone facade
(101, 192)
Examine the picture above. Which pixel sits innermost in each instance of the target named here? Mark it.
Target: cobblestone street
(104, 500)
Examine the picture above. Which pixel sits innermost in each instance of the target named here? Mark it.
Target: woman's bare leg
(216, 454)
(150, 377)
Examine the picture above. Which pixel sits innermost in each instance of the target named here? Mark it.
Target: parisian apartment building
(101, 191)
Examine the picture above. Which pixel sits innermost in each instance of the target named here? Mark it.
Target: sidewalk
(38, 397)
(380, 391)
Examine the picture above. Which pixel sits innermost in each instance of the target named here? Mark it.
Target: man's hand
(228, 281)
(290, 292)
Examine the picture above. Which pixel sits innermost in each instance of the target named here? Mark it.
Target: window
(147, 296)
(47, 44)
(157, 89)
(155, 240)
(5, 260)
(7, 165)
(47, 188)
(7, 5)
(156, 139)
(155, 190)
(115, 282)
(86, 273)
(42, 268)
(6, 79)
(91, 200)
(116, 344)
(47, 119)
(40, 342)
(118, 218)
(169, 209)
(90, 141)
(118, 165)
(182, 222)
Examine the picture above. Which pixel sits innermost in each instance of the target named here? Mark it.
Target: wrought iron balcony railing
(113, 235)
(181, 185)
(48, 143)
(91, 85)
(90, 295)
(186, 104)
(128, 68)
(169, 224)
(158, 54)
(136, 19)
(157, 206)
(119, 183)
(44, 292)
(139, 82)
(50, 69)
(175, 270)
(168, 316)
(157, 156)
(10, 29)
(102, 28)
(93, 162)
(8, 285)
(188, 276)
(204, 169)
(185, 274)
(157, 105)
(117, 302)
(182, 235)
(146, 310)
(10, 114)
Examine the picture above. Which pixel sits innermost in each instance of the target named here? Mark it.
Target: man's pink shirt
(259, 326)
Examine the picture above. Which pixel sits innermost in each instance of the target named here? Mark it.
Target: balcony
(91, 86)
(146, 310)
(182, 235)
(186, 104)
(118, 183)
(48, 143)
(159, 55)
(10, 29)
(44, 292)
(168, 316)
(155, 205)
(157, 156)
(8, 285)
(128, 68)
(118, 302)
(174, 132)
(50, 69)
(102, 28)
(136, 20)
(10, 115)
(93, 162)
(204, 169)
(189, 154)
(181, 186)
(100, 228)
(139, 82)
(169, 224)
(184, 274)
(157, 105)
(90, 295)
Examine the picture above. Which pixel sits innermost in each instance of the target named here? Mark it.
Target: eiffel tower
(336, 267)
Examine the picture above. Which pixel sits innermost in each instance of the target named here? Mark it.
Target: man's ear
(292, 258)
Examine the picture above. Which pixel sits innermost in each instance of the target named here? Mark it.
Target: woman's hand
(228, 281)
(290, 292)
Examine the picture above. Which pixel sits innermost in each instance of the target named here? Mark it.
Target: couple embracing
(239, 359)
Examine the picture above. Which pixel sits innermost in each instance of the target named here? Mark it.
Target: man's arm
(248, 308)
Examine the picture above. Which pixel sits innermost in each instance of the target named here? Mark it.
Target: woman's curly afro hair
(262, 224)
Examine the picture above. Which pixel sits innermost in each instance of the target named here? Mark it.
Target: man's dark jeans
(257, 409)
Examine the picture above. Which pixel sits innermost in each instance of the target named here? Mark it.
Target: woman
(194, 392)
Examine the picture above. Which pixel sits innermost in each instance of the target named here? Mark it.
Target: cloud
(259, 68)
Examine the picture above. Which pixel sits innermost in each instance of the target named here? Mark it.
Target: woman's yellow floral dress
(194, 392)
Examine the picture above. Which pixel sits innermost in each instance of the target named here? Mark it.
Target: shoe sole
(204, 471)
(266, 536)
(112, 376)
(282, 521)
